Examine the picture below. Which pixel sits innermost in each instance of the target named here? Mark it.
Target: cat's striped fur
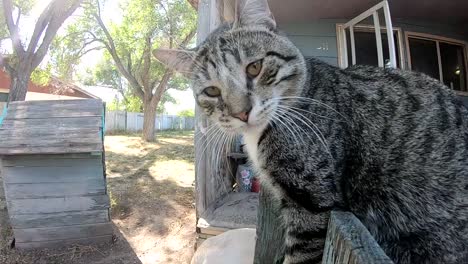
(391, 146)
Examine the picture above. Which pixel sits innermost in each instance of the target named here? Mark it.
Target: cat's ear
(253, 12)
(178, 60)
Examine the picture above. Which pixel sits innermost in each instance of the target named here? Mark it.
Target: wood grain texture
(236, 210)
(55, 110)
(62, 243)
(57, 160)
(62, 233)
(45, 124)
(57, 205)
(59, 219)
(269, 246)
(76, 105)
(49, 190)
(47, 127)
(349, 242)
(53, 174)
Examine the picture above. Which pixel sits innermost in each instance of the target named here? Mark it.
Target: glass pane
(453, 66)
(424, 56)
(366, 48)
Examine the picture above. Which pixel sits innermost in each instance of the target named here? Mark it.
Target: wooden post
(349, 242)
(269, 247)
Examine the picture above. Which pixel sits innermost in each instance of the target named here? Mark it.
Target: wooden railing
(349, 242)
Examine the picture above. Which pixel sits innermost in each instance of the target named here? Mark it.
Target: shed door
(356, 47)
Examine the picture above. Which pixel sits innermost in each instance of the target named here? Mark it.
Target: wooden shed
(52, 165)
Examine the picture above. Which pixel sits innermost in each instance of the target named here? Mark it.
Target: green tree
(187, 113)
(145, 25)
(27, 56)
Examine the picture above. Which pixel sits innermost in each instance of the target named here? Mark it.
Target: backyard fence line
(132, 122)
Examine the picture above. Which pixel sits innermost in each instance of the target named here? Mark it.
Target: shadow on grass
(149, 203)
(147, 200)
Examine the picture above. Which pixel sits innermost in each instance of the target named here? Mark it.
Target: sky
(184, 99)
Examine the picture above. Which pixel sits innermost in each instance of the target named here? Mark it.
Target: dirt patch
(151, 186)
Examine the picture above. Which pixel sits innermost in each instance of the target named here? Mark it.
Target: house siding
(316, 39)
(319, 39)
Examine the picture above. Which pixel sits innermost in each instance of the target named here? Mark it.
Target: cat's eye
(212, 91)
(254, 69)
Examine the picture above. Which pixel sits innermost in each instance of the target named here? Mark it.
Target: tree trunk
(149, 112)
(19, 85)
(269, 247)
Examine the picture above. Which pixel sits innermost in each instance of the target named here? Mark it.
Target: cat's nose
(243, 116)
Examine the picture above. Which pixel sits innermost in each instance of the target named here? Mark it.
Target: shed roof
(52, 127)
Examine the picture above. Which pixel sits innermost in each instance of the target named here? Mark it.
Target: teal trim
(103, 121)
(4, 113)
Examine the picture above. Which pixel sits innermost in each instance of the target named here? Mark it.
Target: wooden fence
(132, 122)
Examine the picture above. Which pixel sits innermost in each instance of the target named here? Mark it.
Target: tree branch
(12, 27)
(110, 46)
(58, 17)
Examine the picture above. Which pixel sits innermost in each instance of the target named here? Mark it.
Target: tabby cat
(391, 146)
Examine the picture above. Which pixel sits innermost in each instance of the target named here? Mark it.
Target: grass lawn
(151, 186)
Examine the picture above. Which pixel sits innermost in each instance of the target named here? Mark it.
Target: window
(366, 46)
(440, 58)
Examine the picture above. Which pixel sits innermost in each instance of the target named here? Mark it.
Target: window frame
(371, 29)
(437, 39)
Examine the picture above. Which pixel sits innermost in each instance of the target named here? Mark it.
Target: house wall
(318, 39)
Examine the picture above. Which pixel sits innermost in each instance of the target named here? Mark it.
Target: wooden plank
(53, 149)
(204, 235)
(59, 219)
(48, 140)
(52, 123)
(58, 205)
(53, 174)
(62, 233)
(53, 112)
(48, 190)
(26, 134)
(236, 210)
(213, 231)
(269, 245)
(61, 243)
(78, 103)
(348, 241)
(58, 160)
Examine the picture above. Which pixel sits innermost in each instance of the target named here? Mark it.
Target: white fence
(132, 122)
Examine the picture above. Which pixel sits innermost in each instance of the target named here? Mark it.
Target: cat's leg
(305, 234)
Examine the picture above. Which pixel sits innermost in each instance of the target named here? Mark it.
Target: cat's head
(243, 71)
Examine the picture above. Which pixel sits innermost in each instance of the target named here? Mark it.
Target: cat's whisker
(211, 139)
(288, 116)
(295, 134)
(316, 131)
(305, 99)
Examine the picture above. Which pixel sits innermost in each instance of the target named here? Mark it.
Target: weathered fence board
(51, 174)
(349, 242)
(59, 219)
(48, 190)
(57, 205)
(53, 168)
(61, 243)
(60, 233)
(269, 248)
(69, 160)
(48, 123)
